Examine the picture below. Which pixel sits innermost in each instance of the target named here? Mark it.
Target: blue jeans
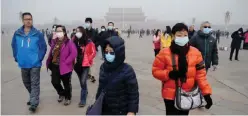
(82, 73)
(31, 80)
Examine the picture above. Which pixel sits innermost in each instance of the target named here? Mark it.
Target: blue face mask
(87, 25)
(207, 30)
(110, 27)
(109, 57)
(181, 41)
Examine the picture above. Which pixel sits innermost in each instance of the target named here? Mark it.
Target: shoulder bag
(186, 100)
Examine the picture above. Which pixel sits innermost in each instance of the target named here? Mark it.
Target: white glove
(215, 67)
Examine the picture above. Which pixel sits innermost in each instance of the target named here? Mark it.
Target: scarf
(181, 51)
(56, 52)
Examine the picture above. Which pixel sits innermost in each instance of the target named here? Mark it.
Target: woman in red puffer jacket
(86, 54)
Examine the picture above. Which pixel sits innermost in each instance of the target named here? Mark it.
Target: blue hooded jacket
(28, 50)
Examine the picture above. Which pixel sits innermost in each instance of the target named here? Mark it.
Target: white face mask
(103, 29)
(79, 34)
(182, 41)
(60, 35)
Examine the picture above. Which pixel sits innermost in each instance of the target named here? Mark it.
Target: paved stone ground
(229, 83)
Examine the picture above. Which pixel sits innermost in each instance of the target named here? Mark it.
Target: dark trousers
(171, 110)
(218, 40)
(82, 73)
(31, 80)
(236, 53)
(56, 81)
(156, 51)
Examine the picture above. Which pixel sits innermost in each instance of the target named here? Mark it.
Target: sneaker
(67, 102)
(61, 98)
(28, 103)
(32, 108)
(93, 80)
(81, 104)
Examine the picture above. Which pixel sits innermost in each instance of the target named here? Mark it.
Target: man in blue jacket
(29, 48)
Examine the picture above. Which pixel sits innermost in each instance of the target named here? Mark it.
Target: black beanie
(88, 19)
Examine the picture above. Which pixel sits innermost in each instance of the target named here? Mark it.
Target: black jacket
(191, 34)
(92, 34)
(123, 95)
(237, 38)
(207, 45)
(105, 35)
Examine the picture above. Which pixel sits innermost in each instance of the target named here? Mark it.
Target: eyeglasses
(207, 26)
(112, 53)
(27, 19)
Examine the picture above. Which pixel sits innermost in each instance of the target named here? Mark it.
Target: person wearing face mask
(86, 54)
(121, 95)
(189, 69)
(60, 61)
(101, 40)
(207, 45)
(108, 33)
(91, 34)
(237, 38)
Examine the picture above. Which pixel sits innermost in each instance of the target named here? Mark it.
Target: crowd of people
(182, 57)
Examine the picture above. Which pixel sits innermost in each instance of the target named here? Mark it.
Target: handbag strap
(174, 66)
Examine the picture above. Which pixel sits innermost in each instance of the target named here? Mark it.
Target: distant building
(125, 16)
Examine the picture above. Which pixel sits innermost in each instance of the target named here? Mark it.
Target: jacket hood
(241, 30)
(32, 31)
(118, 46)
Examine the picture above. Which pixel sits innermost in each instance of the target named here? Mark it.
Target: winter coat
(88, 51)
(92, 33)
(28, 50)
(162, 65)
(156, 42)
(246, 37)
(166, 41)
(237, 39)
(207, 45)
(123, 95)
(191, 34)
(105, 35)
(68, 53)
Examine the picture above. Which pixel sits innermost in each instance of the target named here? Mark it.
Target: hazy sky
(70, 10)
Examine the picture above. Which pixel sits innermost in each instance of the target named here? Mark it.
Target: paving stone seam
(228, 86)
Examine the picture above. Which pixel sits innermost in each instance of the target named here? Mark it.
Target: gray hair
(205, 22)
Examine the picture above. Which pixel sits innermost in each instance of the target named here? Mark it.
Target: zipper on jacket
(28, 42)
(205, 49)
(22, 42)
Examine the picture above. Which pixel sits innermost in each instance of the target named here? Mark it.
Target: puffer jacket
(162, 65)
(88, 51)
(166, 41)
(123, 96)
(207, 45)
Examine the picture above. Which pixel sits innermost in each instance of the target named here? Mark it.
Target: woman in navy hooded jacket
(122, 96)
